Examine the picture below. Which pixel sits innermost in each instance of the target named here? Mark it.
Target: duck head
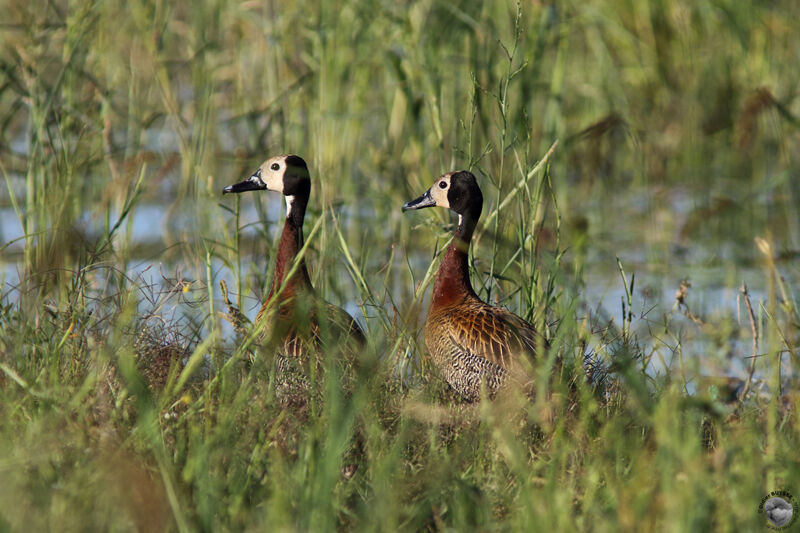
(457, 191)
(287, 174)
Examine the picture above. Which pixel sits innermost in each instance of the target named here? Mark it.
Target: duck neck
(288, 248)
(452, 283)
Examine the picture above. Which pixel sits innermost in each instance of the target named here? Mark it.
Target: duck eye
(442, 184)
(275, 166)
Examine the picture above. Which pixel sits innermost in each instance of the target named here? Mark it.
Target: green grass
(673, 127)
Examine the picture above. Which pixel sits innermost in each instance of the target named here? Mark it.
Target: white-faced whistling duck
(296, 331)
(471, 342)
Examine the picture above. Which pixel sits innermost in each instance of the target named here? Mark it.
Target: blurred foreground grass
(120, 122)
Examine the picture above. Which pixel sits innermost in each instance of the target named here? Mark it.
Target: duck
(300, 322)
(474, 345)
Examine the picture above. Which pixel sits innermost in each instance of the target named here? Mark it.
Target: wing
(530, 339)
(489, 332)
(344, 324)
(310, 319)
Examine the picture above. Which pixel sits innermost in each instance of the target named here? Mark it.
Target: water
(10, 232)
(650, 241)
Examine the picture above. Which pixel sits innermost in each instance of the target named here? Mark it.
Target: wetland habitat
(640, 170)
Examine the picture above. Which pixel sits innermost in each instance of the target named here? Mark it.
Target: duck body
(299, 326)
(472, 343)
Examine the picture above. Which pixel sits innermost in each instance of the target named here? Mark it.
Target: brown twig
(754, 331)
(241, 324)
(680, 302)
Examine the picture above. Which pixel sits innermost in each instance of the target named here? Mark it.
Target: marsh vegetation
(639, 166)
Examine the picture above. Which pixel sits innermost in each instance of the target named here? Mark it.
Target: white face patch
(439, 190)
(272, 171)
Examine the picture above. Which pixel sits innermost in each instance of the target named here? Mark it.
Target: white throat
(289, 204)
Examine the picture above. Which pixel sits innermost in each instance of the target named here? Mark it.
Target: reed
(622, 148)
